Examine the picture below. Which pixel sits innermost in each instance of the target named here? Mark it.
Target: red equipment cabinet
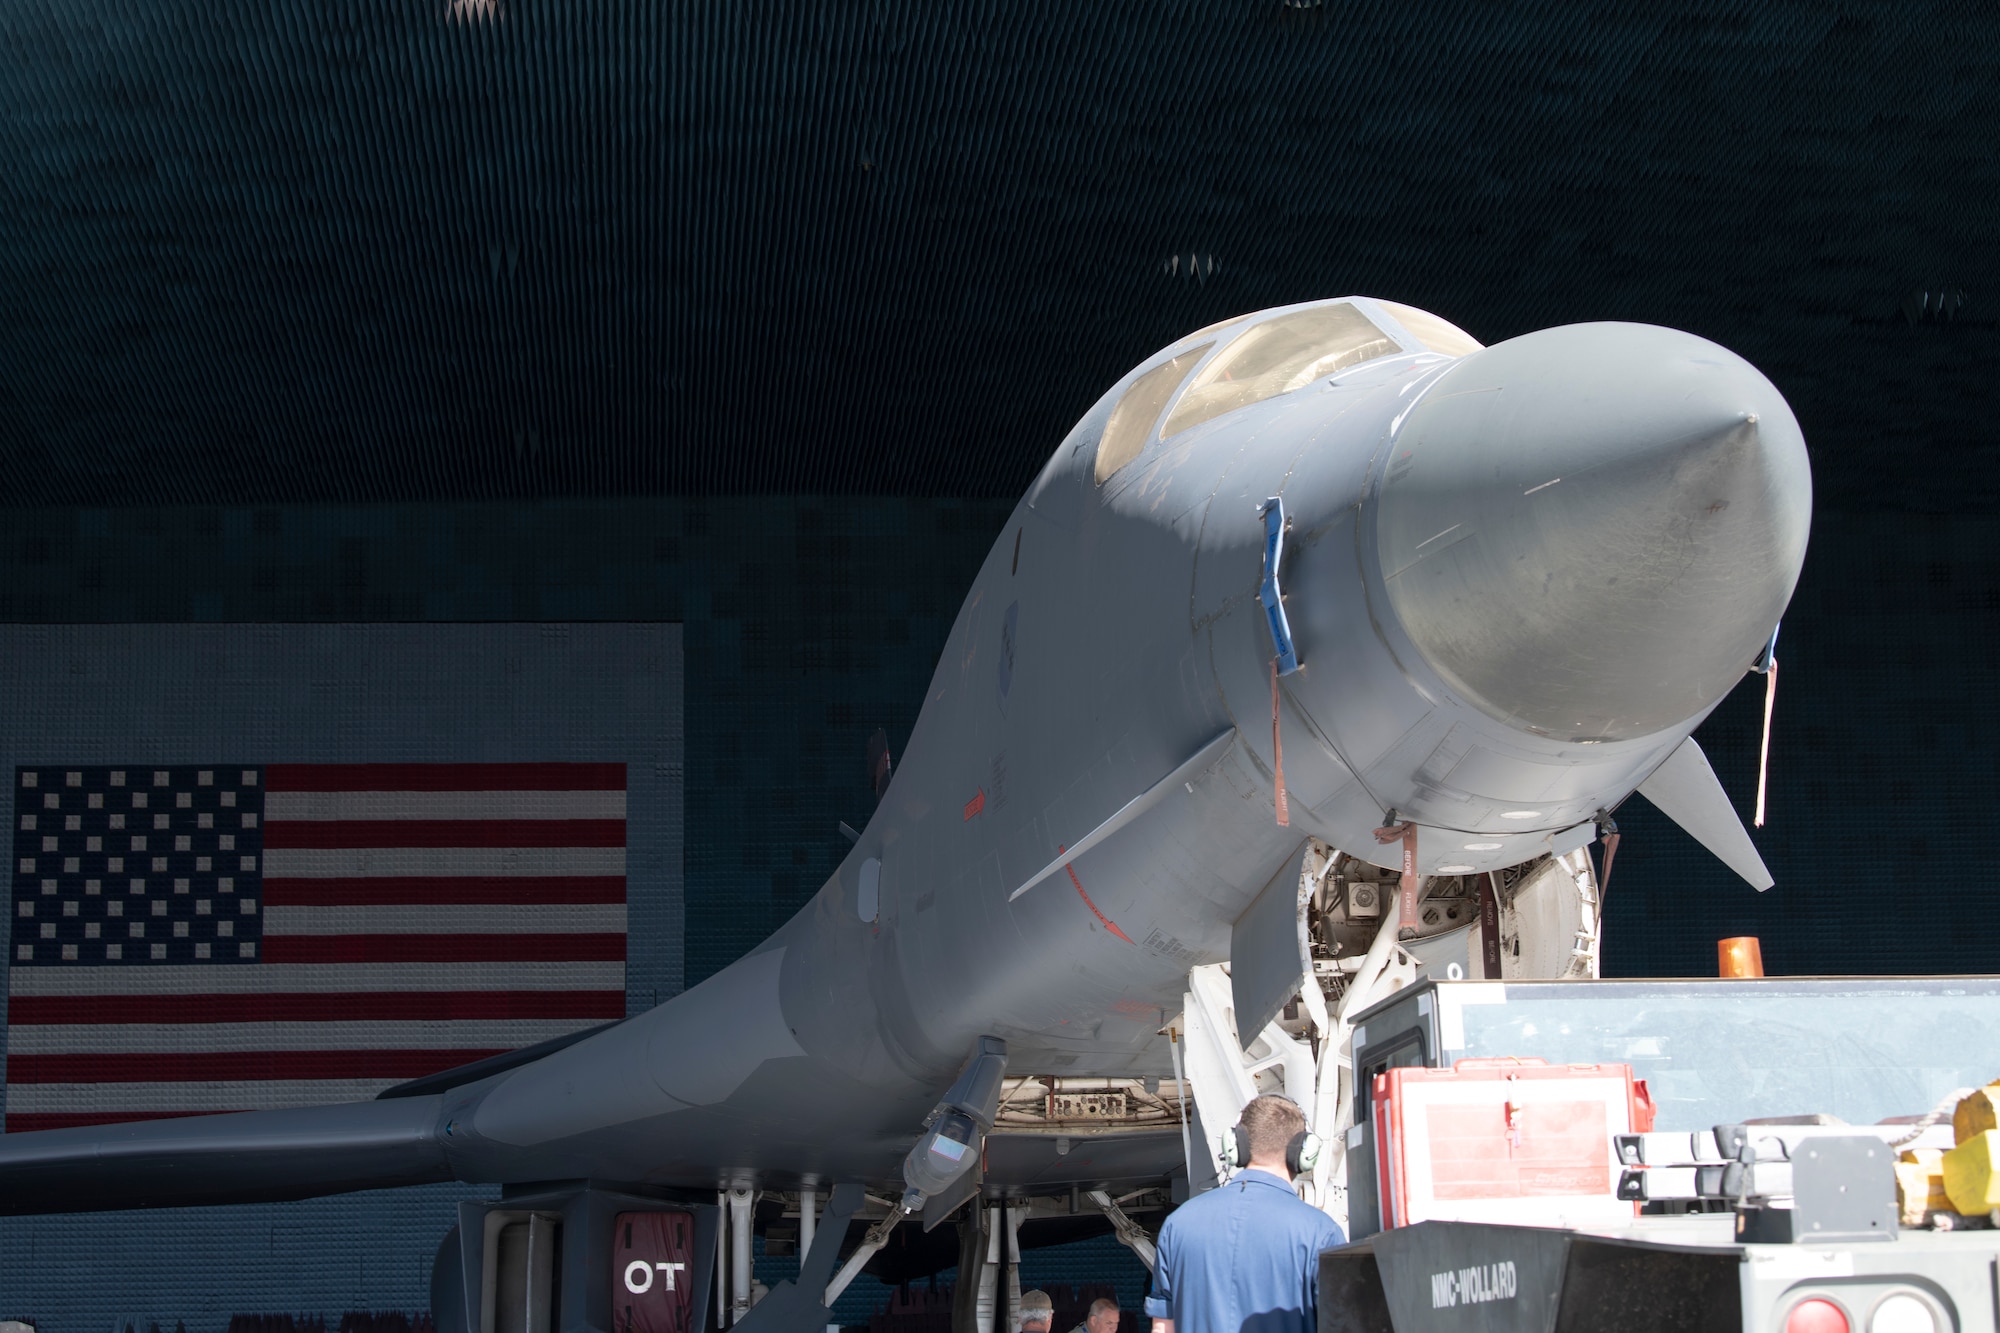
(1514, 1141)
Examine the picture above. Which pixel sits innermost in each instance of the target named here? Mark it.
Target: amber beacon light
(1739, 956)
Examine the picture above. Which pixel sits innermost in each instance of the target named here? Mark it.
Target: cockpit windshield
(1278, 356)
(1435, 334)
(1132, 420)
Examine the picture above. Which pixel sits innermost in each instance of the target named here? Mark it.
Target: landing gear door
(1268, 954)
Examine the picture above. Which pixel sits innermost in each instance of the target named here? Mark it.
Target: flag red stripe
(309, 1007)
(67, 1020)
(596, 947)
(444, 777)
(233, 1066)
(19, 1122)
(421, 889)
(444, 833)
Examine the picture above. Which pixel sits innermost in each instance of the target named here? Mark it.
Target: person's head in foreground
(1037, 1312)
(1271, 1123)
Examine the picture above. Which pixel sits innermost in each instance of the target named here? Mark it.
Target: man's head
(1103, 1316)
(1037, 1312)
(1271, 1122)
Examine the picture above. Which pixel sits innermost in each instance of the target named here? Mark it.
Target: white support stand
(739, 1200)
(877, 1237)
(1130, 1234)
(808, 1215)
(1224, 1076)
(722, 1260)
(1012, 1268)
(989, 1274)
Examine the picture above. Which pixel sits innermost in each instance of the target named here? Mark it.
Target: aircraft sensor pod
(954, 1135)
(945, 1152)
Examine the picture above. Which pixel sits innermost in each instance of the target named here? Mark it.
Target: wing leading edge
(246, 1157)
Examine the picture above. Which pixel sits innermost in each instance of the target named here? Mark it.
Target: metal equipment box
(1711, 1051)
(1521, 1142)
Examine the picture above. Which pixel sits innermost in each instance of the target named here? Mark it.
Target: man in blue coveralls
(1244, 1257)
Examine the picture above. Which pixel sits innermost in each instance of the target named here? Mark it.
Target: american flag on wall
(200, 939)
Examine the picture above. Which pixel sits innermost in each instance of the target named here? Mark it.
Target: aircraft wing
(246, 1157)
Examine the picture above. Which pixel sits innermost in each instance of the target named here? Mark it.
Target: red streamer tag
(1406, 897)
(1489, 929)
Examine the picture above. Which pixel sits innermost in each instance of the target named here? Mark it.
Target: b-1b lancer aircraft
(1320, 651)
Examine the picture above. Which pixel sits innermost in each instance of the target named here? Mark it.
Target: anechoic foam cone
(1970, 1176)
(1975, 1113)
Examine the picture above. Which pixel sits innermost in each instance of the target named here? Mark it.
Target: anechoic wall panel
(286, 251)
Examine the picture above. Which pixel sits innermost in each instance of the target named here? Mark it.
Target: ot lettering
(639, 1275)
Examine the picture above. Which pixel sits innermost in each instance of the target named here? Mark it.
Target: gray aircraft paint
(1111, 634)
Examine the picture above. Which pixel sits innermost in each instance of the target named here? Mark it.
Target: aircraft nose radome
(1590, 531)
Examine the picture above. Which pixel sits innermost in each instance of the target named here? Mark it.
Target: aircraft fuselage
(1516, 579)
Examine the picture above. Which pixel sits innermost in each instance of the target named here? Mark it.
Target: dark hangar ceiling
(335, 250)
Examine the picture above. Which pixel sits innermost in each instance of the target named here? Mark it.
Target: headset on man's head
(1301, 1154)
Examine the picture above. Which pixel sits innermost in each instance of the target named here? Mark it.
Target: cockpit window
(1219, 327)
(1436, 334)
(1276, 357)
(1132, 420)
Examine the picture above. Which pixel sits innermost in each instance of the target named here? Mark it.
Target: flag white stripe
(282, 978)
(259, 1094)
(446, 919)
(369, 862)
(467, 1034)
(331, 805)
